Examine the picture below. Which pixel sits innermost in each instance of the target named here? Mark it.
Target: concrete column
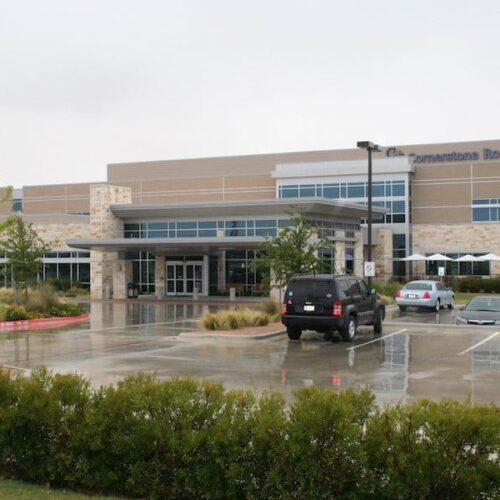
(160, 275)
(205, 276)
(221, 270)
(104, 225)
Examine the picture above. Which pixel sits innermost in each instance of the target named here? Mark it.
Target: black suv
(326, 302)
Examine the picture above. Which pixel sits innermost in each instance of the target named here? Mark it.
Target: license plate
(412, 296)
(308, 307)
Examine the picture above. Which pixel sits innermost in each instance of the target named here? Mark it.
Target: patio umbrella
(470, 258)
(413, 257)
(437, 256)
(490, 256)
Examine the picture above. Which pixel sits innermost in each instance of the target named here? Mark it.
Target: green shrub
(479, 285)
(3, 310)
(41, 299)
(6, 295)
(183, 438)
(15, 313)
(435, 450)
(60, 284)
(388, 288)
(66, 310)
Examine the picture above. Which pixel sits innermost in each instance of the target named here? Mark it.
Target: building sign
(452, 156)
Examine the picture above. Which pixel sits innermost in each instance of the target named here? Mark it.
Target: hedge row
(189, 439)
(475, 285)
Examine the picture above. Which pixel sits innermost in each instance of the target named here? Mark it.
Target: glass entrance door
(184, 277)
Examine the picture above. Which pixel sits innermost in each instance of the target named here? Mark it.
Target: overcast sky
(84, 83)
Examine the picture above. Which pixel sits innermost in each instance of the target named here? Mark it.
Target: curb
(219, 335)
(26, 324)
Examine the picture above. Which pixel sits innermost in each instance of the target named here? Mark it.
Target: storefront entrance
(183, 277)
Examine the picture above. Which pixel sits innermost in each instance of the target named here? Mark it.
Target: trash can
(132, 291)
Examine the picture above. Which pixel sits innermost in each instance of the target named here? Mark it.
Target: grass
(17, 490)
(462, 298)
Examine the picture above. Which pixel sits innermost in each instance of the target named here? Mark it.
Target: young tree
(24, 248)
(294, 250)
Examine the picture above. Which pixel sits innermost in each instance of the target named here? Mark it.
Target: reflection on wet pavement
(408, 362)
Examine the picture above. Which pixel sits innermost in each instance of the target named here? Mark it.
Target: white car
(425, 293)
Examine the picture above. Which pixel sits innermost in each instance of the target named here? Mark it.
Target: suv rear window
(311, 287)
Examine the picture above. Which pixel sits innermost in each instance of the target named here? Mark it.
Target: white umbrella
(490, 256)
(470, 258)
(414, 256)
(437, 256)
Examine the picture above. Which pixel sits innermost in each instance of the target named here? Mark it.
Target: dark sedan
(480, 311)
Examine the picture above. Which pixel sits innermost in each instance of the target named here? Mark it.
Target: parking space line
(375, 340)
(478, 344)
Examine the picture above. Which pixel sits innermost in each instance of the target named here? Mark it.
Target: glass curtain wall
(243, 276)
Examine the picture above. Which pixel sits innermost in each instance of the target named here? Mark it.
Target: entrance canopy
(323, 207)
(158, 245)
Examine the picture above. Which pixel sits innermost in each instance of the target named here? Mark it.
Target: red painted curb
(28, 324)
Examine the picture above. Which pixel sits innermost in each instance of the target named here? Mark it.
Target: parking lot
(419, 354)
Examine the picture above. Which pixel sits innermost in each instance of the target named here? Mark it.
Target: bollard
(232, 293)
(196, 293)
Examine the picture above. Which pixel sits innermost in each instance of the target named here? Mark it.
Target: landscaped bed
(36, 308)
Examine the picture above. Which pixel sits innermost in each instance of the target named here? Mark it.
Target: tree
(294, 250)
(23, 248)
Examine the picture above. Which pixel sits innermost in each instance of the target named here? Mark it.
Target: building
(180, 225)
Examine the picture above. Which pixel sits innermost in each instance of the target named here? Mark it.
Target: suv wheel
(349, 329)
(377, 324)
(293, 333)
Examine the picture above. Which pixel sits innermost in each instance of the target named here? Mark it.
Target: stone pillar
(122, 276)
(382, 254)
(160, 275)
(104, 225)
(339, 252)
(358, 256)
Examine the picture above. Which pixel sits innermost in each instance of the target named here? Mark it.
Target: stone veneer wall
(382, 254)
(108, 272)
(56, 234)
(453, 238)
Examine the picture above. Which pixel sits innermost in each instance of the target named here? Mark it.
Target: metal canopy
(158, 245)
(341, 210)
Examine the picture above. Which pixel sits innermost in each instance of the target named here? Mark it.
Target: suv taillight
(398, 293)
(426, 295)
(284, 307)
(337, 308)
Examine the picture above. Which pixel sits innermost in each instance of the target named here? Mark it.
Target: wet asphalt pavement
(420, 354)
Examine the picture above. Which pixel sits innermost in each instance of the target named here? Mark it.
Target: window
(364, 288)
(486, 210)
(143, 271)
(17, 205)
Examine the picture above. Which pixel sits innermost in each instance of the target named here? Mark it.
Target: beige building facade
(192, 226)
